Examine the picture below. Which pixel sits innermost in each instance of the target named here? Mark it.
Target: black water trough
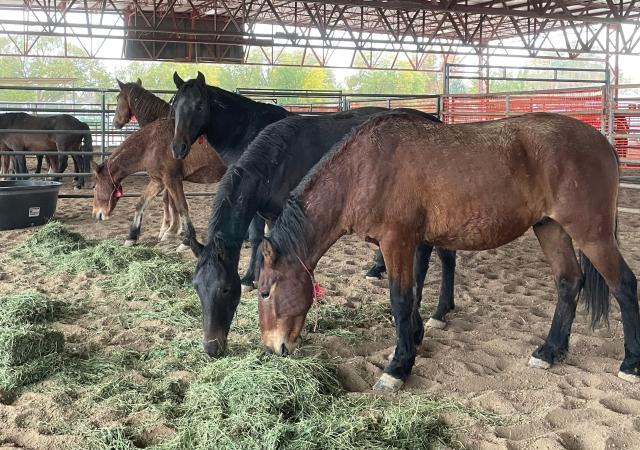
(26, 203)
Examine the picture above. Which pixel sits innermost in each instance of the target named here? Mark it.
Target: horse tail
(87, 146)
(595, 290)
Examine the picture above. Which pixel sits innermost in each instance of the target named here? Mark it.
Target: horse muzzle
(98, 214)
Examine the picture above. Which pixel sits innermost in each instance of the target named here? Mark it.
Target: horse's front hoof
(77, 188)
(437, 324)
(630, 377)
(387, 383)
(182, 248)
(247, 288)
(129, 243)
(537, 363)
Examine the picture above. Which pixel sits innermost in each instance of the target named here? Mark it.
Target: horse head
(106, 191)
(124, 109)
(192, 113)
(285, 295)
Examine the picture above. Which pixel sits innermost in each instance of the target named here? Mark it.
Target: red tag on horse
(201, 139)
(318, 291)
(133, 119)
(118, 193)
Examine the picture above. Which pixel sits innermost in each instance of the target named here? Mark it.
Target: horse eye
(264, 295)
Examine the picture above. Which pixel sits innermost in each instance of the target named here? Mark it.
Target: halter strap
(117, 190)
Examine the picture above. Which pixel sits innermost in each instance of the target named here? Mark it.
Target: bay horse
(134, 101)
(147, 149)
(259, 183)
(229, 122)
(48, 142)
(470, 186)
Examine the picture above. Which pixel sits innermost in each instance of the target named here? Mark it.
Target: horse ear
(95, 168)
(269, 252)
(177, 80)
(139, 82)
(201, 78)
(120, 84)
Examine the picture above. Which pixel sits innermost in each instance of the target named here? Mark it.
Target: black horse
(260, 182)
(229, 122)
(51, 143)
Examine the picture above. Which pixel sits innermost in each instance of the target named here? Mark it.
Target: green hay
(12, 377)
(24, 344)
(262, 402)
(52, 240)
(132, 268)
(26, 307)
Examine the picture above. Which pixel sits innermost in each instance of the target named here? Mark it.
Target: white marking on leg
(631, 378)
(537, 363)
(387, 383)
(182, 248)
(129, 243)
(435, 323)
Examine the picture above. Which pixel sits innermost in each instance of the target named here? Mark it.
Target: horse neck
(230, 221)
(154, 107)
(238, 121)
(124, 162)
(325, 202)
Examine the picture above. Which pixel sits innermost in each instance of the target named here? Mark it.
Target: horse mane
(146, 105)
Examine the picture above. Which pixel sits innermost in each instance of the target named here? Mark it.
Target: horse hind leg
(558, 249)
(605, 257)
(445, 301)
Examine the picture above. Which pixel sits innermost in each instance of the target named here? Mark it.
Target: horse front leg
(399, 257)
(256, 233)
(378, 268)
(153, 188)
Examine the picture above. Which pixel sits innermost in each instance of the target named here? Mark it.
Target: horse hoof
(537, 363)
(370, 278)
(435, 323)
(182, 248)
(129, 243)
(77, 188)
(247, 288)
(161, 234)
(630, 377)
(167, 235)
(387, 383)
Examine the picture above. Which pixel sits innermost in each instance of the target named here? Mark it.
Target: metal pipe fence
(615, 110)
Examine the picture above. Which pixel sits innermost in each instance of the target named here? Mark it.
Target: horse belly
(479, 231)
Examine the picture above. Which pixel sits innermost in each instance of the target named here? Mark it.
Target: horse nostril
(283, 350)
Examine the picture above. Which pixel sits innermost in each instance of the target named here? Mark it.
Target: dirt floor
(505, 301)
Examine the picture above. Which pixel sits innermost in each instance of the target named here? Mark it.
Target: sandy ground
(505, 301)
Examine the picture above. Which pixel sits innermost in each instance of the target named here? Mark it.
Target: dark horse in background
(48, 142)
(229, 122)
(259, 183)
(546, 171)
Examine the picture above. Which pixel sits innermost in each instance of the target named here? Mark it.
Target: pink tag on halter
(201, 139)
(133, 119)
(118, 193)
(318, 291)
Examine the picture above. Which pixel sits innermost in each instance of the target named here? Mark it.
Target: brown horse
(401, 181)
(48, 142)
(135, 101)
(148, 149)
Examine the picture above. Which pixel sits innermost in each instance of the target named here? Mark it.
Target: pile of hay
(132, 269)
(258, 401)
(29, 351)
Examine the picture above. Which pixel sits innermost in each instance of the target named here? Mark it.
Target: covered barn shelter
(200, 257)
